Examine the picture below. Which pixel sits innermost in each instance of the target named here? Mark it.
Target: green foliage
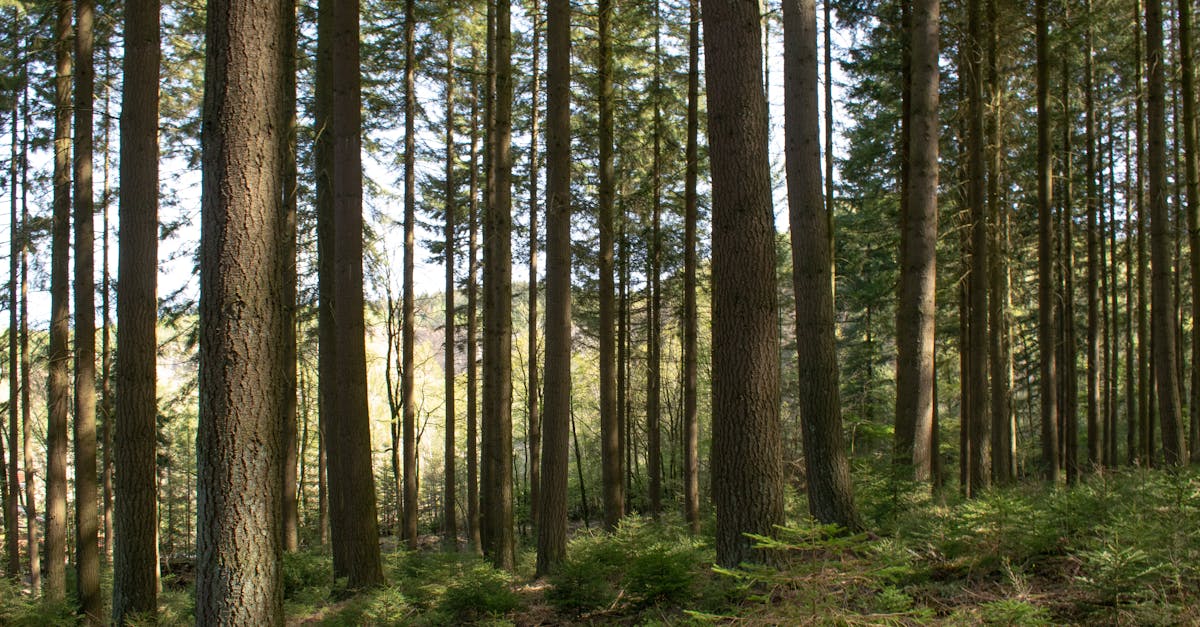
(387, 606)
(18, 609)
(479, 592)
(1013, 612)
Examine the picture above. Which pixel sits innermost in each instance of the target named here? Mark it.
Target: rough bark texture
(610, 438)
(135, 553)
(654, 288)
(287, 260)
(473, 522)
(1162, 308)
(239, 441)
(830, 494)
(58, 381)
(978, 471)
(499, 540)
(16, 251)
(1094, 321)
(552, 526)
(1000, 345)
(691, 414)
(533, 386)
(407, 331)
(918, 273)
(87, 553)
(353, 524)
(1192, 179)
(1047, 333)
(747, 470)
(31, 514)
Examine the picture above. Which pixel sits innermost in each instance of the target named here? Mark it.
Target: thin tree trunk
(1094, 321)
(106, 410)
(135, 554)
(407, 318)
(691, 417)
(1000, 348)
(1192, 178)
(291, 513)
(747, 468)
(654, 287)
(978, 466)
(16, 250)
(610, 437)
(535, 421)
(59, 350)
(240, 442)
(1145, 391)
(830, 494)
(450, 520)
(473, 522)
(31, 515)
(1046, 302)
(1069, 400)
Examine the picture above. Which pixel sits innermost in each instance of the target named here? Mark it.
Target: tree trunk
(1145, 391)
(450, 520)
(535, 421)
(747, 467)
(291, 447)
(239, 442)
(353, 524)
(610, 437)
(1047, 333)
(59, 351)
(1093, 254)
(497, 455)
(1192, 178)
(1069, 390)
(552, 525)
(999, 337)
(473, 526)
(31, 515)
(918, 274)
(691, 417)
(830, 494)
(407, 319)
(1163, 303)
(135, 554)
(654, 289)
(16, 250)
(978, 467)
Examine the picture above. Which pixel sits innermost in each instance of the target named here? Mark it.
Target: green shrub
(303, 570)
(387, 606)
(1013, 612)
(661, 573)
(479, 592)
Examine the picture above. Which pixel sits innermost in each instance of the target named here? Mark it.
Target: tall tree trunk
(87, 554)
(535, 421)
(135, 555)
(106, 401)
(1114, 340)
(1163, 303)
(691, 414)
(1133, 397)
(1069, 400)
(16, 249)
(31, 515)
(1192, 178)
(654, 288)
(450, 520)
(999, 343)
(829, 183)
(552, 526)
(473, 522)
(747, 468)
(830, 494)
(918, 274)
(407, 318)
(352, 514)
(1094, 321)
(288, 206)
(1145, 391)
(497, 455)
(239, 442)
(610, 437)
(978, 463)
(1047, 333)
(59, 350)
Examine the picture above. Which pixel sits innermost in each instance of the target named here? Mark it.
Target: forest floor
(1120, 548)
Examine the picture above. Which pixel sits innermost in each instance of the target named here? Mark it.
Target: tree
(473, 513)
(87, 556)
(239, 442)
(450, 524)
(978, 473)
(1162, 309)
(288, 207)
(654, 286)
(830, 495)
(15, 382)
(552, 525)
(534, 429)
(1094, 241)
(691, 418)
(747, 470)
(1048, 385)
(59, 353)
(610, 432)
(499, 539)
(408, 335)
(918, 275)
(135, 554)
(1192, 181)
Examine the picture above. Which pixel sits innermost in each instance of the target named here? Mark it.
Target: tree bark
(16, 250)
(408, 320)
(747, 469)
(1162, 308)
(239, 442)
(552, 526)
(533, 386)
(135, 554)
(353, 524)
(978, 464)
(449, 518)
(473, 521)
(288, 206)
(1192, 179)
(1094, 322)
(691, 417)
(59, 351)
(918, 274)
(830, 494)
(1047, 333)
(654, 288)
